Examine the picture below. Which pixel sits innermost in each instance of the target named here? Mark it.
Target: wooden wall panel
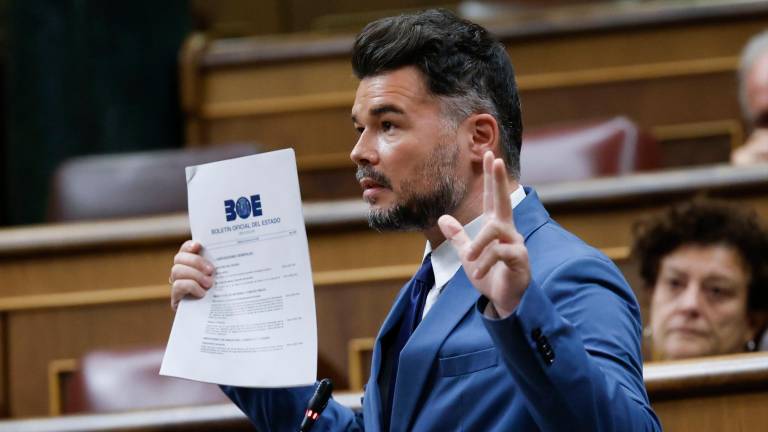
(81, 270)
(35, 337)
(630, 45)
(60, 298)
(663, 65)
(736, 412)
(346, 312)
(38, 336)
(309, 132)
(651, 101)
(294, 78)
(361, 248)
(713, 394)
(689, 103)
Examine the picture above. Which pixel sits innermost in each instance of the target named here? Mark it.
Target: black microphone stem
(316, 405)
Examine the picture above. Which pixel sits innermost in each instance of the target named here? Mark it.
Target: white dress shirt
(445, 259)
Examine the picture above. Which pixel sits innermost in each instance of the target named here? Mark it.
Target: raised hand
(191, 274)
(496, 261)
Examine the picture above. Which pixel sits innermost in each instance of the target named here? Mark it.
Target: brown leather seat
(579, 151)
(131, 184)
(126, 380)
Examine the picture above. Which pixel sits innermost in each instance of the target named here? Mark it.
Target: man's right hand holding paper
(191, 274)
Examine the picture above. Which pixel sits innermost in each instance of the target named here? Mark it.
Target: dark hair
(459, 59)
(705, 222)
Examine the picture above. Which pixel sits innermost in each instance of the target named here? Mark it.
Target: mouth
(372, 182)
(688, 331)
(368, 183)
(371, 188)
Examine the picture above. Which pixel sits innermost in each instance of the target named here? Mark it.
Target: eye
(719, 292)
(359, 129)
(386, 126)
(674, 283)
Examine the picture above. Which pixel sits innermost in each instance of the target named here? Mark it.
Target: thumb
(453, 231)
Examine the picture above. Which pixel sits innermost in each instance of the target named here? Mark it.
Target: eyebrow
(381, 110)
(682, 271)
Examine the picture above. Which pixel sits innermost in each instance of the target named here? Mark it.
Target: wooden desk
(71, 288)
(669, 66)
(717, 394)
(214, 418)
(727, 393)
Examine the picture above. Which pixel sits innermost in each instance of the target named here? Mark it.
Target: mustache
(368, 171)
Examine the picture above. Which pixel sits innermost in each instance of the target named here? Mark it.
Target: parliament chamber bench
(668, 66)
(77, 287)
(717, 394)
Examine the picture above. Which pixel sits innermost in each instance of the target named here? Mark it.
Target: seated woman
(706, 266)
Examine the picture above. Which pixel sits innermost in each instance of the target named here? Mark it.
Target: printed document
(256, 326)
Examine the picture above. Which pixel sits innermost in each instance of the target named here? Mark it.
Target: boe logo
(243, 207)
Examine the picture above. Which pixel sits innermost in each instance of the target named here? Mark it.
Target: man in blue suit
(512, 323)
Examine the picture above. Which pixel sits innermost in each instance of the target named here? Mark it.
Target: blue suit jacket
(567, 359)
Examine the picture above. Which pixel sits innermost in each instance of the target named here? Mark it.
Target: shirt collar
(445, 259)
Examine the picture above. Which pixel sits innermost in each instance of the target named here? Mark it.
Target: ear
(483, 131)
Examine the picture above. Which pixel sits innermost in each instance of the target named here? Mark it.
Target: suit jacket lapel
(530, 214)
(373, 392)
(418, 355)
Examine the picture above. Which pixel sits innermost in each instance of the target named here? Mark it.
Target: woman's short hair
(705, 222)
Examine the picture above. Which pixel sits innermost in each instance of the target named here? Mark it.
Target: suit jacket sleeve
(282, 409)
(573, 347)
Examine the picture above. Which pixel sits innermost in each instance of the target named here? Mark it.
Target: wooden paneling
(240, 17)
(346, 312)
(663, 64)
(70, 288)
(69, 330)
(737, 412)
(37, 336)
(718, 394)
(726, 393)
(73, 271)
(212, 418)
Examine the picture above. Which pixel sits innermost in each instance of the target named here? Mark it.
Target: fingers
(184, 287)
(185, 272)
(193, 260)
(494, 229)
(511, 254)
(453, 231)
(191, 246)
(191, 274)
(488, 203)
(496, 200)
(502, 203)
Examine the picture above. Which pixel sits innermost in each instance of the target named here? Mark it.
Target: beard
(433, 190)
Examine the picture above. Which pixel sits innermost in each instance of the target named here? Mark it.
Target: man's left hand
(496, 261)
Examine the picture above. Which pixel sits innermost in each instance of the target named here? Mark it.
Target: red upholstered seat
(130, 184)
(126, 380)
(578, 151)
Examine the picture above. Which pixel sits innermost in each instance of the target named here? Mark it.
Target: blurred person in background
(753, 96)
(705, 263)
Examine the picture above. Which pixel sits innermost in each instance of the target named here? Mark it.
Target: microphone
(317, 404)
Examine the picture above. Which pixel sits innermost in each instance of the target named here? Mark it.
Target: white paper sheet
(256, 327)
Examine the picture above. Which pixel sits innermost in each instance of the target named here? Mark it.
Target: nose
(690, 299)
(364, 151)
